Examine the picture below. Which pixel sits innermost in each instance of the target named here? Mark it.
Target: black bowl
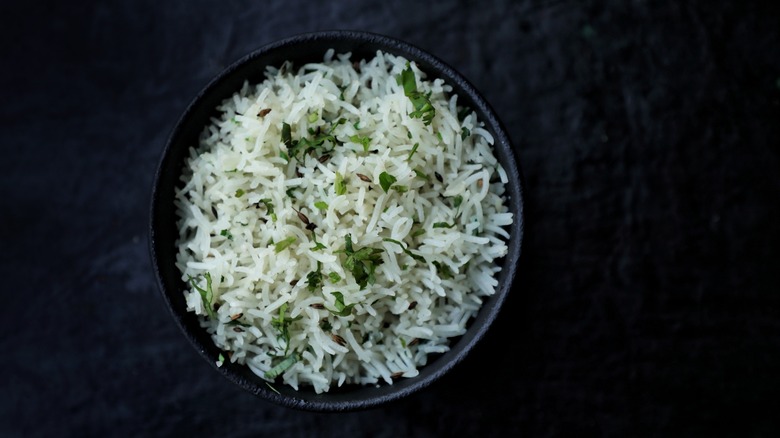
(163, 232)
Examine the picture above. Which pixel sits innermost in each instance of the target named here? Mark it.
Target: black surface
(648, 299)
(299, 50)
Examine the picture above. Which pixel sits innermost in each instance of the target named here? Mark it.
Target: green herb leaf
(314, 278)
(287, 135)
(334, 277)
(339, 185)
(220, 360)
(284, 155)
(283, 244)
(443, 270)
(282, 325)
(386, 181)
(456, 201)
(282, 366)
(227, 234)
(268, 206)
(421, 102)
(414, 149)
(420, 174)
(325, 325)
(206, 295)
(464, 133)
(322, 205)
(443, 225)
(418, 232)
(400, 189)
(361, 263)
(313, 117)
(341, 308)
(408, 252)
(365, 141)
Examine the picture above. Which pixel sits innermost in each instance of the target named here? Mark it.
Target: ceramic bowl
(301, 49)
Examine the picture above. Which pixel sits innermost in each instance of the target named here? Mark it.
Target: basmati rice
(250, 211)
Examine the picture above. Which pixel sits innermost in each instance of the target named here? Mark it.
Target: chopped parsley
(423, 109)
(334, 277)
(226, 233)
(239, 193)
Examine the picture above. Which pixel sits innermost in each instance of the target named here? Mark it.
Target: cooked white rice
(239, 172)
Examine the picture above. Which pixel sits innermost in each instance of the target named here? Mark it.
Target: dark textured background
(648, 301)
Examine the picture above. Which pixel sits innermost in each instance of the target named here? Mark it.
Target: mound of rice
(330, 237)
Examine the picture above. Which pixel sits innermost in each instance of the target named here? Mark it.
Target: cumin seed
(363, 177)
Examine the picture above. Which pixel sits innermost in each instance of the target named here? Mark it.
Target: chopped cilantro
(206, 295)
(386, 181)
(334, 277)
(314, 278)
(239, 193)
(420, 174)
(341, 308)
(361, 263)
(417, 257)
(282, 325)
(226, 233)
(283, 244)
(456, 201)
(365, 141)
(414, 149)
(268, 206)
(464, 133)
(443, 225)
(322, 205)
(443, 270)
(423, 109)
(340, 185)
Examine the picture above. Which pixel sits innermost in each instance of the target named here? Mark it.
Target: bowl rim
(434, 67)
